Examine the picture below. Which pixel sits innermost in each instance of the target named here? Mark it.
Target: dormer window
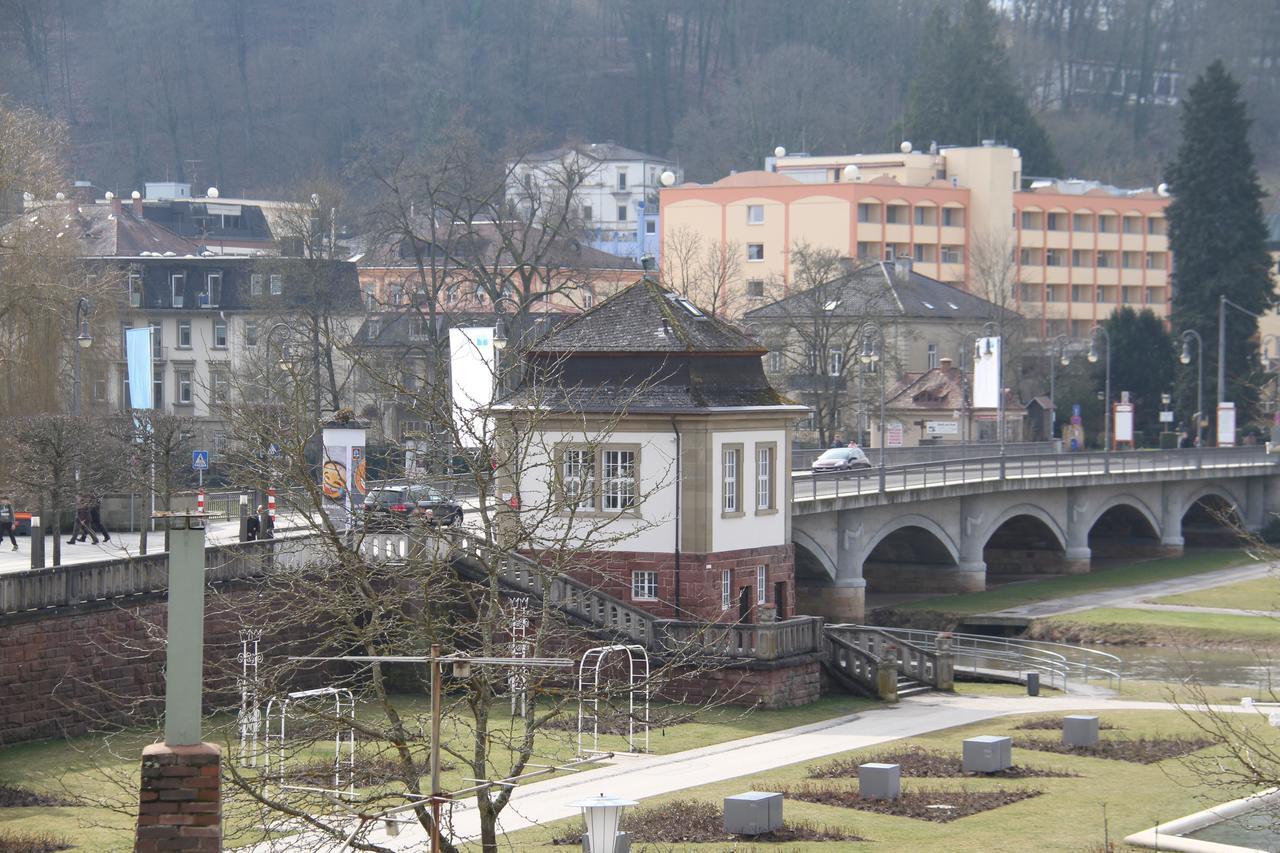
(211, 296)
(135, 288)
(177, 289)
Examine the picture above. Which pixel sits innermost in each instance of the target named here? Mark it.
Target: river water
(1220, 667)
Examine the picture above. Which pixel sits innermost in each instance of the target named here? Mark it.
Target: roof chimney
(902, 267)
(944, 363)
(137, 205)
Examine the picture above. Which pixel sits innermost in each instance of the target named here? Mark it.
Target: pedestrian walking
(7, 519)
(95, 520)
(267, 525)
(251, 527)
(81, 524)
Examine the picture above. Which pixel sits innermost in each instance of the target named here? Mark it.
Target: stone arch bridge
(951, 526)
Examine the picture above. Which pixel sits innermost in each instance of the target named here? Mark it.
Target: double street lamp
(871, 354)
(1064, 358)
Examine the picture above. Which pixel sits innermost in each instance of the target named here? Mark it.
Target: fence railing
(927, 664)
(80, 583)
(1038, 466)
(802, 458)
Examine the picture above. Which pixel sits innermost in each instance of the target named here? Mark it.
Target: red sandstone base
(180, 804)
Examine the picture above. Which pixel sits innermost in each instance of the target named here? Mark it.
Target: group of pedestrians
(88, 522)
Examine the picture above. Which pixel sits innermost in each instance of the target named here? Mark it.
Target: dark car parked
(391, 504)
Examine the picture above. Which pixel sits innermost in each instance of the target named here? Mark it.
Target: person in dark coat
(251, 528)
(95, 519)
(81, 524)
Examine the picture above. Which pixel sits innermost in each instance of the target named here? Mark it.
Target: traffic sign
(273, 451)
(200, 460)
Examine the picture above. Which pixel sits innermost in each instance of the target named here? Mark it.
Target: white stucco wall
(751, 529)
(651, 527)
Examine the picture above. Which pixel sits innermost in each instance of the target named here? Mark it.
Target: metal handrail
(1060, 659)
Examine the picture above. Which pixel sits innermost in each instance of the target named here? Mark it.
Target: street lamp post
(84, 340)
(872, 355)
(1063, 358)
(1106, 394)
(996, 330)
(1187, 337)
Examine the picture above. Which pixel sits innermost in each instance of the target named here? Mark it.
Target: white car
(841, 459)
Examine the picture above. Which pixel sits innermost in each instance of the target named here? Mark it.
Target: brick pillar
(180, 805)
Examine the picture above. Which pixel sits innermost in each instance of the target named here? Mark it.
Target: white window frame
(184, 334)
(775, 361)
(135, 288)
(765, 479)
(277, 284)
(730, 479)
(212, 293)
(251, 333)
(835, 361)
(755, 288)
(755, 249)
(619, 481)
(184, 387)
(762, 584)
(644, 585)
(255, 284)
(621, 181)
(755, 214)
(624, 213)
(726, 584)
(220, 325)
(577, 463)
(219, 383)
(177, 284)
(931, 356)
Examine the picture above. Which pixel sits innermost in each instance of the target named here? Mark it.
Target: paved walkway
(1129, 596)
(642, 777)
(120, 546)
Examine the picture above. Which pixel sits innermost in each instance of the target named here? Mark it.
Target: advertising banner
(1122, 423)
(1226, 424)
(941, 428)
(472, 376)
(137, 349)
(893, 434)
(343, 474)
(986, 373)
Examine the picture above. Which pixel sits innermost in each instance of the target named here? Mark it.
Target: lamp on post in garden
(602, 816)
(1062, 357)
(872, 354)
(1189, 335)
(1106, 394)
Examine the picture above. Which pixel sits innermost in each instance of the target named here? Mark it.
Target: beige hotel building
(1078, 248)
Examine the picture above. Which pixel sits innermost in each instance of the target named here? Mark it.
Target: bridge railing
(766, 641)
(923, 663)
(991, 468)
(802, 458)
(102, 580)
(1008, 656)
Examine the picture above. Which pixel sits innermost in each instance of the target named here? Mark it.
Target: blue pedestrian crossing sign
(200, 460)
(273, 452)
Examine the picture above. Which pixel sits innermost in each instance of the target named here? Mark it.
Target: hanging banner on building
(473, 377)
(941, 428)
(342, 478)
(986, 373)
(893, 434)
(138, 352)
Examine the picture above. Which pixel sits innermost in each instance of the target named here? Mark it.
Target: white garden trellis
(250, 716)
(344, 739)
(589, 668)
(518, 682)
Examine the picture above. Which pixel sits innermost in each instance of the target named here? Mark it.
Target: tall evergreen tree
(1217, 234)
(1143, 358)
(963, 90)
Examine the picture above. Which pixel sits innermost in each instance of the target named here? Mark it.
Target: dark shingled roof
(646, 318)
(878, 290)
(100, 231)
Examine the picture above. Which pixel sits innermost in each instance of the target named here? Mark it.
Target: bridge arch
(812, 560)
(1211, 517)
(1024, 539)
(1124, 526)
(911, 553)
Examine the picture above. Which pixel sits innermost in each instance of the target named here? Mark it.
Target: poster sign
(1166, 417)
(138, 354)
(473, 377)
(1122, 423)
(343, 475)
(986, 373)
(941, 428)
(1226, 424)
(893, 434)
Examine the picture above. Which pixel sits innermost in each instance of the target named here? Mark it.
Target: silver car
(841, 459)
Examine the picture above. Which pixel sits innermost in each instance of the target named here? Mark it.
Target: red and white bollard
(200, 501)
(271, 505)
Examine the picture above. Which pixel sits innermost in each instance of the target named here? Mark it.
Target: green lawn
(1259, 594)
(1015, 594)
(1067, 816)
(104, 770)
(1122, 625)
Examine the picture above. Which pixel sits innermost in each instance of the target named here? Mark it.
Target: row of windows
(617, 489)
(833, 366)
(1106, 259)
(903, 214)
(1089, 223)
(1124, 295)
(210, 293)
(219, 339)
(644, 586)
(218, 391)
(733, 474)
(925, 253)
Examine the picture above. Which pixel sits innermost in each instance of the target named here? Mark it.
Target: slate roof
(877, 290)
(481, 243)
(102, 232)
(938, 388)
(647, 318)
(595, 150)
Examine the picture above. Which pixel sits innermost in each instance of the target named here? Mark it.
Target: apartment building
(617, 200)
(1075, 249)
